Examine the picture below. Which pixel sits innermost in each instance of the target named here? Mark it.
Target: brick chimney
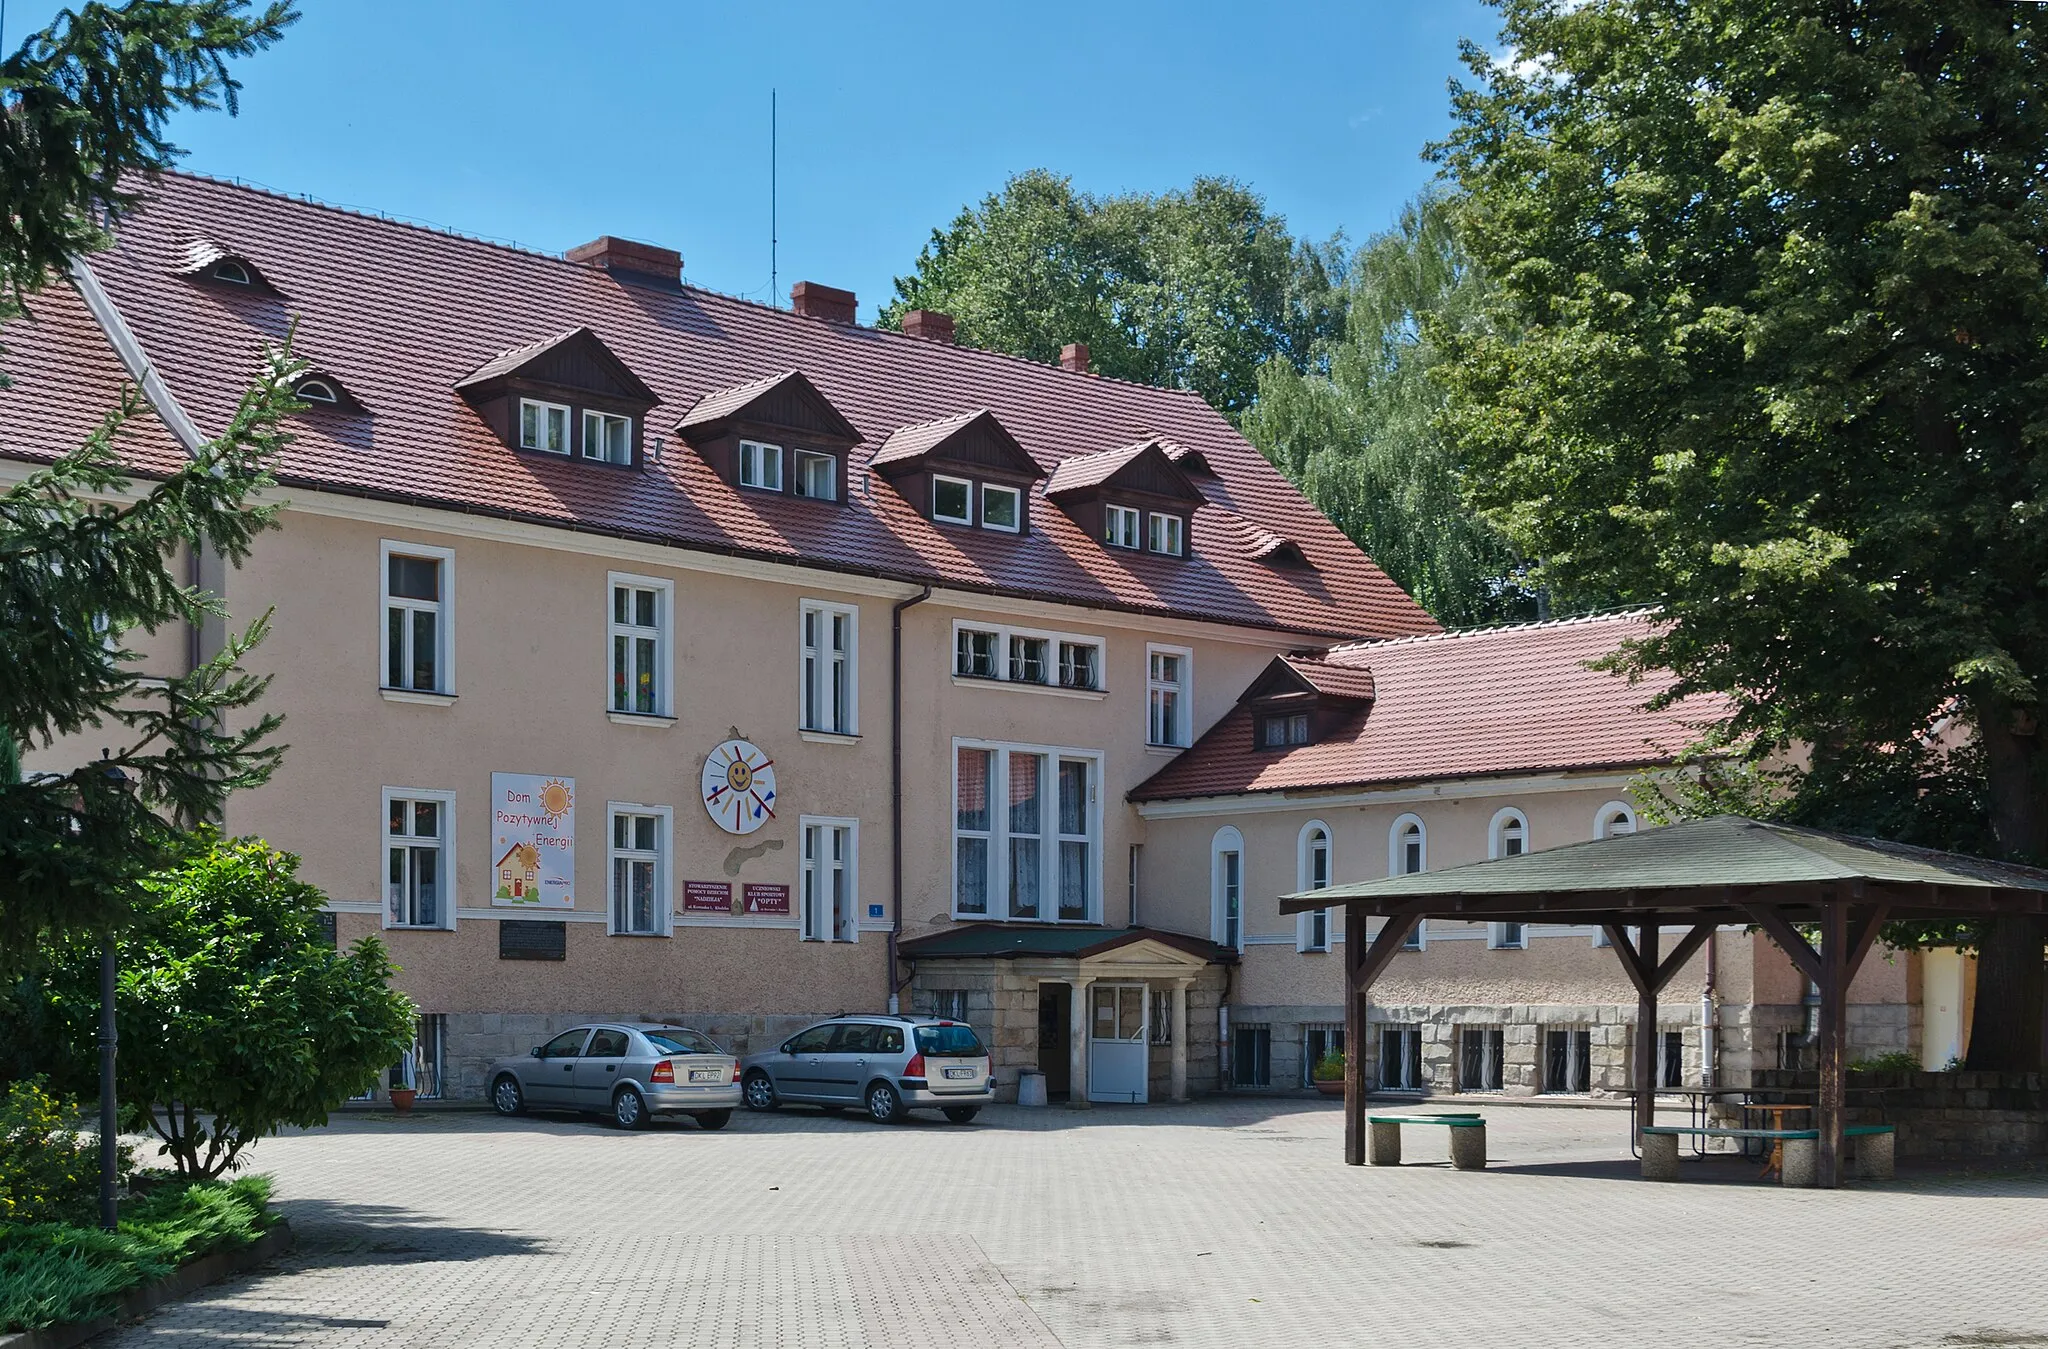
(822, 302)
(928, 325)
(1074, 357)
(623, 255)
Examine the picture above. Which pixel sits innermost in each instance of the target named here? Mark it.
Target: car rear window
(677, 1040)
(955, 1041)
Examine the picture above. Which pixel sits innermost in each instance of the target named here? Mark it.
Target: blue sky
(549, 124)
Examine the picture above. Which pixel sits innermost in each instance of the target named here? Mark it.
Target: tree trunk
(2005, 1028)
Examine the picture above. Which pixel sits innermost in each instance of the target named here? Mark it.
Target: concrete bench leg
(1802, 1162)
(1385, 1145)
(1468, 1148)
(1660, 1156)
(1874, 1154)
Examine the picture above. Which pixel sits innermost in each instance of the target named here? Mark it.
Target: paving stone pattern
(1221, 1223)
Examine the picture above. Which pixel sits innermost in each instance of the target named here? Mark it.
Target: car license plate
(959, 1072)
(707, 1075)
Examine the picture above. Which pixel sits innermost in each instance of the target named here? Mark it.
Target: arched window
(1312, 929)
(316, 391)
(1509, 834)
(1408, 854)
(227, 269)
(1226, 888)
(1614, 819)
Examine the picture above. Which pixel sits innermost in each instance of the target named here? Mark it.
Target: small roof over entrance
(1705, 873)
(1013, 941)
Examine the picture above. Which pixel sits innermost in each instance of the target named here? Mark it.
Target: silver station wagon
(629, 1071)
(885, 1065)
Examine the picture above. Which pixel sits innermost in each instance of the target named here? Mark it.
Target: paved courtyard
(1225, 1223)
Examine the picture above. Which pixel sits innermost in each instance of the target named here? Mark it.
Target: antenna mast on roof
(774, 292)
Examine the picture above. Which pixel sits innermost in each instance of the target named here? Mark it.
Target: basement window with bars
(949, 1004)
(1318, 1042)
(429, 1059)
(1401, 1057)
(1482, 1058)
(1568, 1061)
(1251, 1056)
(1162, 1017)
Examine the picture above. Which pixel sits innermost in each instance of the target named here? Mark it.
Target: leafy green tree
(1767, 346)
(1187, 289)
(1360, 430)
(86, 558)
(237, 1017)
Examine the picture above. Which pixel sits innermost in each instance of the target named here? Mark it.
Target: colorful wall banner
(533, 841)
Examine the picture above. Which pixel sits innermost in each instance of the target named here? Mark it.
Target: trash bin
(1030, 1088)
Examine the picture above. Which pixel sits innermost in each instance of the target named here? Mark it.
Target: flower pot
(401, 1099)
(1335, 1088)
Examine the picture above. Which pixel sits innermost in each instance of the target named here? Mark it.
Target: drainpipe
(896, 782)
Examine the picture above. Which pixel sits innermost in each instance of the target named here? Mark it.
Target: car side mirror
(535, 1051)
(787, 1050)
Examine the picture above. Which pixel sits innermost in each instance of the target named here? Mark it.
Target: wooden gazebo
(1704, 874)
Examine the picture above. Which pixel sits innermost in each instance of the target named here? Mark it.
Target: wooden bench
(1468, 1138)
(1873, 1159)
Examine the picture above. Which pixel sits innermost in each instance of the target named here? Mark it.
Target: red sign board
(707, 896)
(770, 899)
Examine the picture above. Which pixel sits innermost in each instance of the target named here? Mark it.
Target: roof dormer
(1298, 700)
(318, 389)
(205, 261)
(565, 395)
(776, 434)
(964, 470)
(1135, 498)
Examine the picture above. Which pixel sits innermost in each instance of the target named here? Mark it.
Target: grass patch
(53, 1272)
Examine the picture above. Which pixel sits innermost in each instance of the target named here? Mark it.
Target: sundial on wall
(739, 786)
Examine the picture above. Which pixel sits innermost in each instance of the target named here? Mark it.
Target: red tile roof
(1457, 704)
(400, 314)
(1334, 680)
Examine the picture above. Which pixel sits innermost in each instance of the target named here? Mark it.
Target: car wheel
(712, 1119)
(506, 1098)
(759, 1092)
(629, 1109)
(962, 1114)
(884, 1105)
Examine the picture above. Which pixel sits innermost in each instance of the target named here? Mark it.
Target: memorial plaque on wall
(707, 897)
(327, 932)
(766, 899)
(525, 939)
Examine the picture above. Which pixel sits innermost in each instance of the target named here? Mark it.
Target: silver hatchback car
(629, 1071)
(886, 1065)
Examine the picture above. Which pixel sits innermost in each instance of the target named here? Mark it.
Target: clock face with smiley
(739, 787)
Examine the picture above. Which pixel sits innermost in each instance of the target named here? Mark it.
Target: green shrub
(1891, 1061)
(1328, 1068)
(54, 1272)
(49, 1172)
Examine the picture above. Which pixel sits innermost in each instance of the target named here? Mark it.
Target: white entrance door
(1119, 1043)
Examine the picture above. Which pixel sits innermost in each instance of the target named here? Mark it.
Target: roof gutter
(896, 783)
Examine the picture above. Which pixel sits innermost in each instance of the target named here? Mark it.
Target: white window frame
(568, 425)
(444, 625)
(1604, 820)
(1312, 928)
(847, 929)
(1059, 657)
(664, 869)
(445, 799)
(664, 643)
(304, 391)
(1184, 706)
(1157, 522)
(1504, 819)
(1396, 832)
(1572, 1059)
(241, 276)
(1227, 841)
(967, 517)
(601, 417)
(765, 453)
(1122, 523)
(1497, 938)
(989, 489)
(1053, 640)
(798, 459)
(997, 887)
(823, 656)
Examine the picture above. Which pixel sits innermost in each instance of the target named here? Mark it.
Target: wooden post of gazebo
(1645, 1073)
(1363, 961)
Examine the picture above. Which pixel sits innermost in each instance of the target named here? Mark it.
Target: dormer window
(1283, 730)
(1120, 526)
(1166, 533)
(317, 391)
(817, 476)
(607, 438)
(952, 500)
(232, 272)
(1001, 507)
(760, 466)
(543, 426)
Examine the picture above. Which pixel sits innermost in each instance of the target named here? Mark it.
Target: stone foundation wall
(1945, 1116)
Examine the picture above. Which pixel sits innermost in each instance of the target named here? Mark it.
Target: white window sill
(647, 719)
(972, 682)
(1165, 751)
(658, 936)
(391, 695)
(416, 927)
(829, 737)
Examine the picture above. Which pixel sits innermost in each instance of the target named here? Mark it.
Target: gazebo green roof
(1702, 871)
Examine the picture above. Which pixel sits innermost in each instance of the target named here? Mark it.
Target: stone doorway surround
(1003, 969)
